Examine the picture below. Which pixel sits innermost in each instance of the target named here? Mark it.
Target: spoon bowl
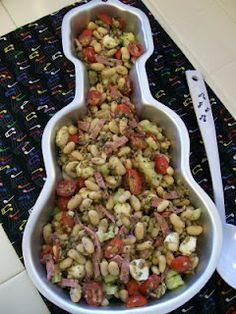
(226, 266)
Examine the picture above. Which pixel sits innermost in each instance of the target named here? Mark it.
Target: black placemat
(36, 80)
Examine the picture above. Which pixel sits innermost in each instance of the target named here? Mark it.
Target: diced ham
(50, 268)
(97, 255)
(107, 61)
(119, 142)
(159, 241)
(133, 123)
(65, 282)
(163, 224)
(172, 195)
(155, 201)
(99, 180)
(122, 231)
(124, 272)
(118, 259)
(178, 210)
(96, 262)
(114, 92)
(83, 126)
(96, 130)
(112, 146)
(106, 213)
(104, 60)
(94, 237)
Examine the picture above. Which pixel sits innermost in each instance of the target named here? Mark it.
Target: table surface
(197, 28)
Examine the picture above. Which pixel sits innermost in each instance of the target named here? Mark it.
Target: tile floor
(204, 30)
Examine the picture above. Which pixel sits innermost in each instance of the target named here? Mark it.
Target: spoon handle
(206, 124)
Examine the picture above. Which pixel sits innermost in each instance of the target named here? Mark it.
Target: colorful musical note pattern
(36, 80)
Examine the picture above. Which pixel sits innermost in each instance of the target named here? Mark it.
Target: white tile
(10, 265)
(18, 295)
(208, 35)
(230, 8)
(176, 10)
(7, 24)
(35, 9)
(224, 81)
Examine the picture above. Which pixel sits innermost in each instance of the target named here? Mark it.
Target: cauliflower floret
(172, 241)
(76, 272)
(109, 42)
(139, 269)
(188, 246)
(124, 208)
(127, 38)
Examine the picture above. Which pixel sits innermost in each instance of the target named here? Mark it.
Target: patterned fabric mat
(36, 80)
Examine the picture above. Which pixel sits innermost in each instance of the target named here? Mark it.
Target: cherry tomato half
(85, 37)
(80, 183)
(94, 97)
(89, 54)
(67, 221)
(161, 164)
(123, 108)
(74, 138)
(138, 141)
(122, 22)
(133, 287)
(118, 54)
(150, 284)
(62, 202)
(66, 188)
(135, 49)
(106, 19)
(134, 180)
(181, 264)
(136, 300)
(113, 248)
(93, 293)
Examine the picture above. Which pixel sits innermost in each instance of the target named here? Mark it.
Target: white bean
(104, 268)
(135, 203)
(113, 268)
(194, 230)
(92, 186)
(176, 221)
(93, 217)
(88, 245)
(144, 245)
(76, 294)
(163, 205)
(74, 202)
(75, 255)
(70, 146)
(98, 67)
(66, 263)
(62, 137)
(123, 294)
(162, 263)
(47, 234)
(89, 268)
(139, 231)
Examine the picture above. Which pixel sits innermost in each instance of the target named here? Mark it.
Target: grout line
(12, 277)
(8, 13)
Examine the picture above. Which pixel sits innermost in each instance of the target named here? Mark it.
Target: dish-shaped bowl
(209, 244)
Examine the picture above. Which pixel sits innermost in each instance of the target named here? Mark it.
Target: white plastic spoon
(226, 266)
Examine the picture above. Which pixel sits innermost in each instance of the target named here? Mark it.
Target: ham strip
(155, 201)
(99, 180)
(72, 283)
(83, 126)
(163, 224)
(50, 268)
(107, 61)
(124, 272)
(118, 259)
(106, 213)
(112, 146)
(172, 195)
(114, 93)
(97, 255)
(96, 130)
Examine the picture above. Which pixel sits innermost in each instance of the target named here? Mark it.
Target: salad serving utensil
(226, 266)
